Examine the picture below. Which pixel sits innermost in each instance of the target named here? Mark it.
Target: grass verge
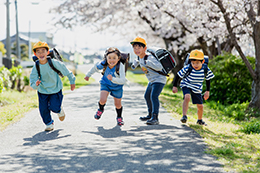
(236, 150)
(14, 104)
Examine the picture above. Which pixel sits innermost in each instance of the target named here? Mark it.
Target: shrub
(5, 75)
(26, 80)
(232, 81)
(251, 127)
(1, 84)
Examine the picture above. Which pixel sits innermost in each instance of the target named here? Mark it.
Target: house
(34, 37)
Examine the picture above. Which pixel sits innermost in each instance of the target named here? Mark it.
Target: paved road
(82, 144)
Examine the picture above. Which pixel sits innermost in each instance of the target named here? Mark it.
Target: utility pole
(29, 44)
(8, 39)
(18, 51)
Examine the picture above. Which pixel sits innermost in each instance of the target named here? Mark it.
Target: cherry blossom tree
(213, 26)
(183, 25)
(242, 20)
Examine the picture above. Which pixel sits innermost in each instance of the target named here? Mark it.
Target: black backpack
(188, 62)
(164, 57)
(53, 54)
(124, 59)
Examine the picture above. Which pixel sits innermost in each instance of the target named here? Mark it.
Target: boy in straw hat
(192, 84)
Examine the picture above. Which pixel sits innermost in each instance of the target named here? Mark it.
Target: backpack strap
(188, 72)
(104, 69)
(205, 66)
(117, 68)
(205, 69)
(53, 68)
(161, 73)
(37, 63)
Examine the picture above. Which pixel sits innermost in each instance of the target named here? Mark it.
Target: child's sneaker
(49, 127)
(184, 119)
(148, 117)
(120, 121)
(201, 122)
(152, 122)
(98, 114)
(61, 114)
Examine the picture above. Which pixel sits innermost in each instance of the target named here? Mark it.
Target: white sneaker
(49, 127)
(61, 114)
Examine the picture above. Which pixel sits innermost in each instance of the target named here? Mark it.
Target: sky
(33, 15)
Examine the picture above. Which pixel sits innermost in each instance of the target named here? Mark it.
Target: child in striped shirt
(192, 84)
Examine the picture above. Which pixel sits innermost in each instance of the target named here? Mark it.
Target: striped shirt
(195, 79)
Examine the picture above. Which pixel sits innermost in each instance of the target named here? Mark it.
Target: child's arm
(206, 95)
(135, 64)
(153, 63)
(34, 79)
(175, 83)
(93, 70)
(65, 71)
(209, 76)
(120, 79)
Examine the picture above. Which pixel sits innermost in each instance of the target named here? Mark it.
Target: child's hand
(174, 89)
(72, 87)
(135, 64)
(86, 78)
(38, 82)
(206, 95)
(109, 77)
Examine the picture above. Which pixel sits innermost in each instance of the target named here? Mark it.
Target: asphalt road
(82, 144)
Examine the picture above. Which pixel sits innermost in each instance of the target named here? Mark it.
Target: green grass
(225, 134)
(80, 81)
(14, 104)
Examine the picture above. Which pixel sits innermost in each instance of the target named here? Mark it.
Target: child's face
(112, 59)
(197, 64)
(139, 50)
(41, 54)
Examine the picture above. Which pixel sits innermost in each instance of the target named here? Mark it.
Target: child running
(112, 81)
(192, 84)
(49, 84)
(156, 83)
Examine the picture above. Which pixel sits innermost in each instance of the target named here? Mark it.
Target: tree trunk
(255, 99)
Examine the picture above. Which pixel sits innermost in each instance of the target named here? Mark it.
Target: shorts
(116, 92)
(196, 97)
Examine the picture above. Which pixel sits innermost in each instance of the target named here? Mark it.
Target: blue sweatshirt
(50, 80)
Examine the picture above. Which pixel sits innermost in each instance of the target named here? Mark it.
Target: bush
(232, 81)
(5, 76)
(251, 127)
(15, 75)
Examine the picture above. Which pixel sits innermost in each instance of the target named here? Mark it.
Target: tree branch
(233, 38)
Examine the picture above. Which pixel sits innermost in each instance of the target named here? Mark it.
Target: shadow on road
(92, 146)
(44, 136)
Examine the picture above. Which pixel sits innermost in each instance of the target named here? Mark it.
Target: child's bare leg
(117, 103)
(103, 97)
(185, 104)
(200, 111)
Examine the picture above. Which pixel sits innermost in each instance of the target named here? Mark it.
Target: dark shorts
(195, 97)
